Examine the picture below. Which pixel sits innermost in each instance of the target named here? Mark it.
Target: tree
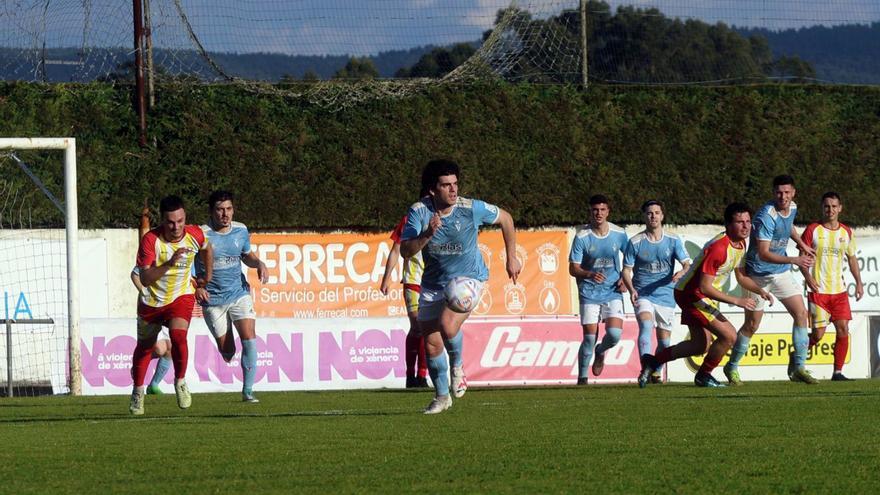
(439, 61)
(358, 68)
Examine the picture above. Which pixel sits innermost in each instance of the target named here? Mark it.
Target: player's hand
(179, 253)
(804, 261)
(621, 287)
(767, 297)
(514, 267)
(597, 277)
(746, 303)
(860, 291)
(633, 297)
(812, 285)
(677, 275)
(262, 273)
(383, 287)
(805, 249)
(434, 225)
(202, 295)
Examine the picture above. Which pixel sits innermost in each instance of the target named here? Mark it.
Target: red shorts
(696, 310)
(182, 307)
(826, 308)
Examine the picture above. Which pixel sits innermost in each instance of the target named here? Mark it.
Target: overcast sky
(312, 27)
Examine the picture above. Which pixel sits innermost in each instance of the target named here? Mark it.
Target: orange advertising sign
(338, 276)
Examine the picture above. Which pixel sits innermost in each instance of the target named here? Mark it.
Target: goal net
(39, 312)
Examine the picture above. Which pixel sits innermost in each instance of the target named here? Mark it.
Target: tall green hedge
(537, 151)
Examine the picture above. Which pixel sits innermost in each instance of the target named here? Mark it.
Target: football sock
(609, 340)
(740, 348)
(801, 339)
(661, 344)
(140, 360)
(438, 368)
(453, 348)
(423, 358)
(585, 354)
(248, 364)
(709, 365)
(162, 367)
(841, 346)
(179, 352)
(411, 353)
(646, 327)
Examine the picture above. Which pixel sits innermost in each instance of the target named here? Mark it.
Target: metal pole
(139, 70)
(8, 355)
(584, 55)
(148, 65)
(71, 213)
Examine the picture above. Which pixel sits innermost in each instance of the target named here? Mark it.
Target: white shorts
(432, 302)
(219, 317)
(780, 285)
(594, 313)
(664, 316)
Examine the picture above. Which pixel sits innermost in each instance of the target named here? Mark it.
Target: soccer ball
(462, 294)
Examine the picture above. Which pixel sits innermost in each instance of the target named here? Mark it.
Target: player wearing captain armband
(698, 294)
(827, 295)
(413, 267)
(768, 264)
(649, 275)
(165, 258)
(594, 261)
(444, 227)
(226, 300)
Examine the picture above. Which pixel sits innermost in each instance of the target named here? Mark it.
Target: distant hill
(843, 54)
(17, 64)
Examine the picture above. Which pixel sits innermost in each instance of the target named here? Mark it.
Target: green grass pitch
(673, 438)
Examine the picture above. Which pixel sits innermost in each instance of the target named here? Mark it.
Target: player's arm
(577, 271)
(685, 266)
(804, 260)
(251, 260)
(853, 263)
(409, 247)
(803, 247)
(748, 284)
(508, 232)
(626, 277)
(390, 265)
(150, 274)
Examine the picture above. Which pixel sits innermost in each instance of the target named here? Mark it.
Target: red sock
(140, 360)
(411, 353)
(841, 346)
(709, 364)
(423, 359)
(664, 356)
(179, 352)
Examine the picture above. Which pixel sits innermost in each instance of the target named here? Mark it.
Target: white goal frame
(71, 227)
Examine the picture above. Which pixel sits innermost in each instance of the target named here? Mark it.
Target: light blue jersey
(228, 283)
(452, 251)
(653, 264)
(770, 225)
(598, 254)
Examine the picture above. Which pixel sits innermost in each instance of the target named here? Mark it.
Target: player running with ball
(444, 227)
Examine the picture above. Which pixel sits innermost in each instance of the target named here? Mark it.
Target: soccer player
(165, 259)
(413, 267)
(827, 296)
(698, 294)
(226, 300)
(162, 349)
(594, 261)
(444, 227)
(768, 265)
(649, 275)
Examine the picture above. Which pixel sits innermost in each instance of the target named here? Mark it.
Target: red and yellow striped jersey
(155, 250)
(831, 246)
(414, 266)
(720, 256)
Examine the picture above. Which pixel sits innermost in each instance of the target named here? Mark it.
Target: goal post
(71, 227)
